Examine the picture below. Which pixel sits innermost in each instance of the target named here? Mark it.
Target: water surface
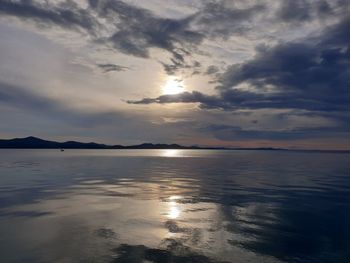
(174, 206)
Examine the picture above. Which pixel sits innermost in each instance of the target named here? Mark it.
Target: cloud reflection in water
(243, 206)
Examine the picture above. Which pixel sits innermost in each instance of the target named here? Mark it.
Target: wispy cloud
(112, 67)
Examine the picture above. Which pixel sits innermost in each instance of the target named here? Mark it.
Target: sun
(173, 86)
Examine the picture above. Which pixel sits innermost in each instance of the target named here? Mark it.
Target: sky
(235, 73)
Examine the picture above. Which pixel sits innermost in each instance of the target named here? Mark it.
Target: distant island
(37, 143)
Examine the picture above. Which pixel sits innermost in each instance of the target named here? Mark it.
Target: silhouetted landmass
(37, 143)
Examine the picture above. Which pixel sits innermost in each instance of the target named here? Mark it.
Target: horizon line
(184, 147)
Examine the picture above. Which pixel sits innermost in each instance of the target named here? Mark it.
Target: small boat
(62, 150)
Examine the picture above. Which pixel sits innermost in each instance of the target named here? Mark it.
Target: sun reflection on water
(174, 210)
(171, 153)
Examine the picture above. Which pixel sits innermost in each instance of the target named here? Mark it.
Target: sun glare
(171, 153)
(173, 86)
(174, 210)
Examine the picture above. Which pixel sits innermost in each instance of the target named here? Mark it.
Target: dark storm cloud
(309, 75)
(111, 67)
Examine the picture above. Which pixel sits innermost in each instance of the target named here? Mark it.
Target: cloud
(306, 75)
(111, 67)
(185, 97)
(231, 133)
(25, 99)
(295, 10)
(300, 63)
(67, 15)
(301, 11)
(25, 112)
(138, 30)
(134, 31)
(19, 97)
(219, 19)
(212, 70)
(125, 28)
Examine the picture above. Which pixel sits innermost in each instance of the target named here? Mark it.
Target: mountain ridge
(32, 142)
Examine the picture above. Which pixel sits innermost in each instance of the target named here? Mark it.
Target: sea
(174, 206)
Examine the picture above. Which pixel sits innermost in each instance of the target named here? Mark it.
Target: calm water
(174, 206)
